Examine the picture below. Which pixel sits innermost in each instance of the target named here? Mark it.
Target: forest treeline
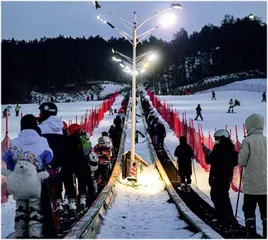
(55, 63)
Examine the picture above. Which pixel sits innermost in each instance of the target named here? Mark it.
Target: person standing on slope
(222, 159)
(184, 153)
(253, 157)
(51, 128)
(198, 112)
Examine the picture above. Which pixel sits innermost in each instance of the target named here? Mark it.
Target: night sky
(30, 20)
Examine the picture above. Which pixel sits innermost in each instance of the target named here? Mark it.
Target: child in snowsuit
(28, 146)
(184, 153)
(253, 157)
(198, 112)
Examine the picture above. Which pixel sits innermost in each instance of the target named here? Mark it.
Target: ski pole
(238, 195)
(194, 174)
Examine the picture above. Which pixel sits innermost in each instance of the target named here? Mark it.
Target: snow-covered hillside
(233, 76)
(251, 85)
(100, 90)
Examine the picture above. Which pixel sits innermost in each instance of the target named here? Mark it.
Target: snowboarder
(264, 97)
(88, 98)
(51, 128)
(222, 160)
(161, 134)
(213, 96)
(231, 106)
(17, 110)
(28, 146)
(184, 153)
(253, 157)
(198, 112)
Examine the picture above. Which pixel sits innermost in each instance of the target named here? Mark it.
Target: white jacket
(253, 157)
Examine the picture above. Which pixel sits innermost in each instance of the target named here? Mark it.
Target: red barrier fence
(194, 138)
(88, 123)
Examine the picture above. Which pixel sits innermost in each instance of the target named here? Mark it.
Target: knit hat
(28, 121)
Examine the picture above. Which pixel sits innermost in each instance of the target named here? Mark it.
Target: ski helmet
(221, 133)
(104, 134)
(74, 128)
(47, 109)
(93, 161)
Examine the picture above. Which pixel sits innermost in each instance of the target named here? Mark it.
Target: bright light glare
(112, 50)
(122, 65)
(152, 57)
(143, 70)
(168, 20)
(98, 17)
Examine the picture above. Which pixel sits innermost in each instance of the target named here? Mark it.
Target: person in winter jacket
(231, 106)
(213, 96)
(51, 128)
(222, 160)
(198, 112)
(28, 146)
(114, 135)
(161, 134)
(17, 110)
(253, 158)
(264, 97)
(78, 159)
(118, 124)
(184, 153)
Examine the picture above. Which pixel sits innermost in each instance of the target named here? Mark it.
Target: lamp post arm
(145, 34)
(143, 55)
(144, 20)
(126, 23)
(125, 57)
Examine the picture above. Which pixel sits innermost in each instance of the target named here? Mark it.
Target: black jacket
(222, 160)
(184, 153)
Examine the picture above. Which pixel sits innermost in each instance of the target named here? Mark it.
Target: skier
(51, 128)
(161, 134)
(5, 112)
(264, 97)
(28, 146)
(79, 151)
(198, 112)
(213, 96)
(114, 135)
(222, 160)
(253, 157)
(231, 106)
(17, 109)
(184, 153)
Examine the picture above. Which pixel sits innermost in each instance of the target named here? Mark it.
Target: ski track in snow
(142, 212)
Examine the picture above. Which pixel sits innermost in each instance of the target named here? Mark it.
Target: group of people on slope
(65, 153)
(222, 159)
(156, 128)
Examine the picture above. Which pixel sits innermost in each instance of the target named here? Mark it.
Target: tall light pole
(133, 40)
